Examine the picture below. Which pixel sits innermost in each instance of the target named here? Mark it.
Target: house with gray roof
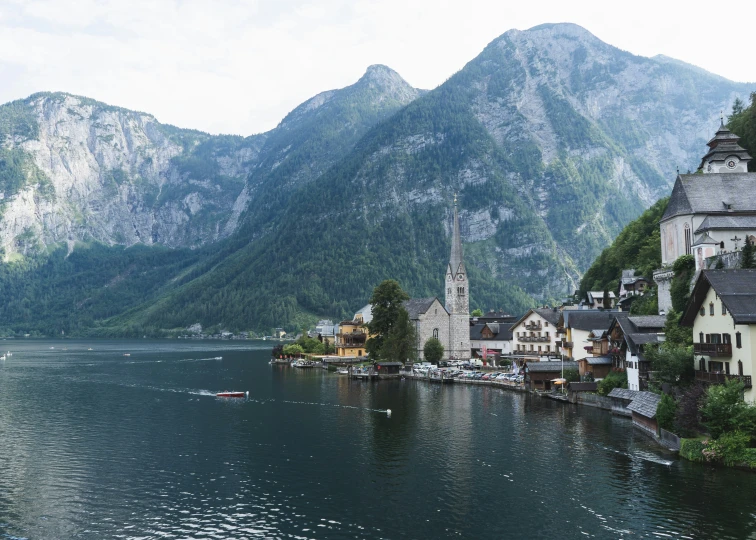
(722, 316)
(629, 336)
(643, 410)
(541, 375)
(711, 212)
(491, 339)
(578, 325)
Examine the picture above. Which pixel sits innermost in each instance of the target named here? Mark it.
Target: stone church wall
(436, 317)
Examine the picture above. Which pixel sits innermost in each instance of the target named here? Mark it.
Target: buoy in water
(388, 413)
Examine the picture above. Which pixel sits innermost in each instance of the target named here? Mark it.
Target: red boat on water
(232, 394)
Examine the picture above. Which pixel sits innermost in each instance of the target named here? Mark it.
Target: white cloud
(240, 66)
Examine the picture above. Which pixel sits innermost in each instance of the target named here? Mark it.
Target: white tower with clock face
(457, 298)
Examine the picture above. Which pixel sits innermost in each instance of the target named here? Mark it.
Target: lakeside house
(578, 325)
(353, 335)
(628, 336)
(722, 315)
(643, 411)
(491, 340)
(534, 335)
(541, 375)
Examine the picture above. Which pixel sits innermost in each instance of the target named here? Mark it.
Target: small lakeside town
(569, 352)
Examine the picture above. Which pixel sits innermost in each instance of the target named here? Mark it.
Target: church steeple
(725, 154)
(457, 296)
(455, 260)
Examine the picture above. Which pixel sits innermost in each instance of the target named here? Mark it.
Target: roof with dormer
(716, 193)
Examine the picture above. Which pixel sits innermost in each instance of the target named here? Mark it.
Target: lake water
(95, 444)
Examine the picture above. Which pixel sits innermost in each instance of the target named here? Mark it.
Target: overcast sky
(227, 66)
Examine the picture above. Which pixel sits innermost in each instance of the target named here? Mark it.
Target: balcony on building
(532, 326)
(721, 378)
(713, 350)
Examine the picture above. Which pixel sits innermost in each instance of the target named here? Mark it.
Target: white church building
(711, 212)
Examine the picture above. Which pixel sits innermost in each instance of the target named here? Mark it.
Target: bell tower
(457, 297)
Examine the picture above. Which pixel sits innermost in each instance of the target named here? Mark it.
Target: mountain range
(113, 223)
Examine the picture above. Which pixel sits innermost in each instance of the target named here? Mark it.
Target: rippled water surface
(95, 444)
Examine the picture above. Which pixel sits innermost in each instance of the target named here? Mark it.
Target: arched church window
(448, 291)
(687, 239)
(435, 333)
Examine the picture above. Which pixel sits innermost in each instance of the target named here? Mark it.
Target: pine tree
(747, 259)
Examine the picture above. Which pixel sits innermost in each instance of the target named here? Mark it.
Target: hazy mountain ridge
(552, 139)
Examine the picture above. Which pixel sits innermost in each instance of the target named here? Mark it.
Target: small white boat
(2, 357)
(127, 354)
(343, 371)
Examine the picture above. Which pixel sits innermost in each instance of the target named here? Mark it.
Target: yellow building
(353, 335)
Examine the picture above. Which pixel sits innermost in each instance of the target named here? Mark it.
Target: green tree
(648, 304)
(724, 410)
(572, 375)
(666, 411)
(747, 259)
(433, 351)
(477, 313)
(684, 268)
(386, 302)
(615, 379)
(400, 343)
(293, 349)
(672, 365)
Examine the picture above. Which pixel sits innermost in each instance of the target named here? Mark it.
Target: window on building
(724, 309)
(711, 308)
(702, 311)
(435, 311)
(726, 339)
(708, 338)
(727, 368)
(700, 337)
(531, 347)
(687, 239)
(702, 364)
(738, 342)
(740, 368)
(547, 334)
(539, 348)
(435, 333)
(545, 324)
(548, 348)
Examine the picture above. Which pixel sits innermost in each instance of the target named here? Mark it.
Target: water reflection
(94, 444)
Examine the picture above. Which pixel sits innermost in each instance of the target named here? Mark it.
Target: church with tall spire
(448, 322)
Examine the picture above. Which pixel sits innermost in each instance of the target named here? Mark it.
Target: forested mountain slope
(553, 141)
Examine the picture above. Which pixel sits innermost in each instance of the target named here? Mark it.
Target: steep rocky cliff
(87, 171)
